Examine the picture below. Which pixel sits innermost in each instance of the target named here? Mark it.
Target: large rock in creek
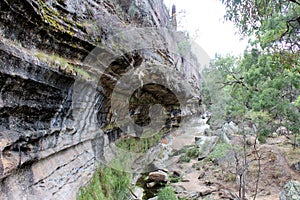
(206, 144)
(158, 176)
(230, 129)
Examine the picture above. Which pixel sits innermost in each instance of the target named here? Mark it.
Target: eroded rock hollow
(60, 62)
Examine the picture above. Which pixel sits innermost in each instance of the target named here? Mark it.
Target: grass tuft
(106, 184)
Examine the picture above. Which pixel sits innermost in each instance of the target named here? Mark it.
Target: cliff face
(56, 108)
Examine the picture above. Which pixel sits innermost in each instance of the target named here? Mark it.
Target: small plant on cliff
(139, 144)
(61, 63)
(106, 184)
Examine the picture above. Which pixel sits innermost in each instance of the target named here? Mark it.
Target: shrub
(106, 184)
(167, 193)
(193, 153)
(184, 158)
(220, 151)
(139, 145)
(230, 177)
(188, 154)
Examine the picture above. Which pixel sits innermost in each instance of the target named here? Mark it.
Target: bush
(184, 158)
(263, 135)
(193, 153)
(188, 154)
(167, 193)
(230, 177)
(139, 145)
(220, 151)
(106, 184)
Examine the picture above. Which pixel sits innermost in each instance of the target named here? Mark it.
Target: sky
(204, 21)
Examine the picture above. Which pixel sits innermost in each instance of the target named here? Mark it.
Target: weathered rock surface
(206, 144)
(297, 166)
(56, 122)
(230, 129)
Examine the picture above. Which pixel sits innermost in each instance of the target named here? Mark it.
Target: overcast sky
(214, 34)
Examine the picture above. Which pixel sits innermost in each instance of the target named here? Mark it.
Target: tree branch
(294, 1)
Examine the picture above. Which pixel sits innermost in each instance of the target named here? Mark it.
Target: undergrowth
(139, 145)
(106, 184)
(167, 193)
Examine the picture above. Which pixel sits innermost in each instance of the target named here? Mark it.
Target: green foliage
(189, 153)
(106, 184)
(214, 94)
(267, 78)
(272, 21)
(297, 102)
(132, 10)
(263, 134)
(262, 86)
(184, 158)
(139, 145)
(82, 72)
(193, 152)
(220, 151)
(167, 193)
(184, 47)
(57, 61)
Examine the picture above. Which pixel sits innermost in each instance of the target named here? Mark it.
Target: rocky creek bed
(200, 164)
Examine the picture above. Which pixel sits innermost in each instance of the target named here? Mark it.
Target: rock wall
(56, 120)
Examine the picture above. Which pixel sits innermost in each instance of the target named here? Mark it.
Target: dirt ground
(219, 179)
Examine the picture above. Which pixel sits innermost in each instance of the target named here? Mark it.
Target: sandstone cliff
(56, 118)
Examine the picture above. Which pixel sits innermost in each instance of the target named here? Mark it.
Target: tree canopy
(264, 83)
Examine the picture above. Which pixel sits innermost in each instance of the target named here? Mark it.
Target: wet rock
(158, 176)
(291, 191)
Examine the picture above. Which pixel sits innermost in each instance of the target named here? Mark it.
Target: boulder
(138, 192)
(151, 184)
(158, 176)
(296, 166)
(206, 144)
(274, 135)
(230, 129)
(282, 130)
(291, 191)
(251, 140)
(224, 138)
